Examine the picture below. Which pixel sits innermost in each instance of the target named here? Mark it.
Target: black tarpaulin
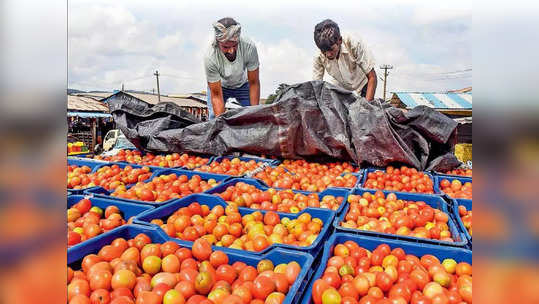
(310, 119)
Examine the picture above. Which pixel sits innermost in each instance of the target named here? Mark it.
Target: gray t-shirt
(231, 74)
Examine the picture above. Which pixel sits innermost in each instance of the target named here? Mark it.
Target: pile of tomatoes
(375, 212)
(228, 166)
(149, 159)
(77, 177)
(309, 176)
(456, 189)
(108, 177)
(164, 187)
(85, 221)
(466, 217)
(462, 172)
(404, 179)
(354, 275)
(226, 227)
(245, 195)
(138, 271)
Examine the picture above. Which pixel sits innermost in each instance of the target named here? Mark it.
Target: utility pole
(385, 67)
(158, 92)
(122, 87)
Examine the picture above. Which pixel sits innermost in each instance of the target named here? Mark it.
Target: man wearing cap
(347, 60)
(231, 65)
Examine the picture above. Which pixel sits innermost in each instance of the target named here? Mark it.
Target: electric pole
(385, 67)
(122, 87)
(158, 92)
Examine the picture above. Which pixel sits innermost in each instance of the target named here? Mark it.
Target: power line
(461, 71)
(158, 92)
(419, 77)
(385, 67)
(181, 77)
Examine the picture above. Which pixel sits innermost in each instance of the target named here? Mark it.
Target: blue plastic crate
(434, 201)
(153, 170)
(93, 164)
(277, 255)
(439, 179)
(325, 215)
(101, 192)
(261, 161)
(443, 175)
(468, 204)
(369, 170)
(128, 210)
(142, 153)
(370, 243)
(358, 174)
(342, 192)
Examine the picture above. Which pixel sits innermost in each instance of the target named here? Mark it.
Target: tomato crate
(101, 192)
(370, 243)
(143, 153)
(261, 163)
(443, 175)
(369, 170)
(83, 161)
(128, 210)
(337, 192)
(468, 204)
(462, 179)
(153, 170)
(358, 175)
(93, 164)
(276, 255)
(163, 212)
(434, 201)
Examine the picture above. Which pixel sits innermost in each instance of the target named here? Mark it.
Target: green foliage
(280, 88)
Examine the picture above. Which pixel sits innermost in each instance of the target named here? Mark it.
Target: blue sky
(125, 41)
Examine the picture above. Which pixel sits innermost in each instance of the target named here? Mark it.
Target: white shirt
(350, 69)
(231, 74)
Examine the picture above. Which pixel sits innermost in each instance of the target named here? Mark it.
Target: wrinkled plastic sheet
(313, 120)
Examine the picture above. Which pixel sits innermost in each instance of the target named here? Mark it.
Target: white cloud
(283, 62)
(125, 42)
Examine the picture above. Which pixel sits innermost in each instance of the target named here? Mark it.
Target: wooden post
(94, 133)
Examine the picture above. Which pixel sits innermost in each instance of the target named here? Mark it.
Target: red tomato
(383, 280)
(263, 286)
(319, 287)
(333, 279)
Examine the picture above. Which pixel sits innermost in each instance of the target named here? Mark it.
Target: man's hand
(217, 98)
(254, 87)
(371, 85)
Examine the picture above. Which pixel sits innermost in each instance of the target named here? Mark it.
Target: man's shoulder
(211, 52)
(351, 42)
(319, 57)
(246, 42)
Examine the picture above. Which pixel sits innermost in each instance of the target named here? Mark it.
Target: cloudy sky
(125, 41)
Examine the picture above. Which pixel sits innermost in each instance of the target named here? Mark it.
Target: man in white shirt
(347, 60)
(231, 65)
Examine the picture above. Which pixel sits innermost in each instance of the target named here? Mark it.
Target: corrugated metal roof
(95, 95)
(436, 100)
(88, 114)
(463, 120)
(196, 96)
(82, 103)
(182, 102)
(464, 90)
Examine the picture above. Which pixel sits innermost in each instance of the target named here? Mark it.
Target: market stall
(88, 120)
(171, 226)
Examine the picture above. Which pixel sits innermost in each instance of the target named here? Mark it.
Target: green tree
(280, 88)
